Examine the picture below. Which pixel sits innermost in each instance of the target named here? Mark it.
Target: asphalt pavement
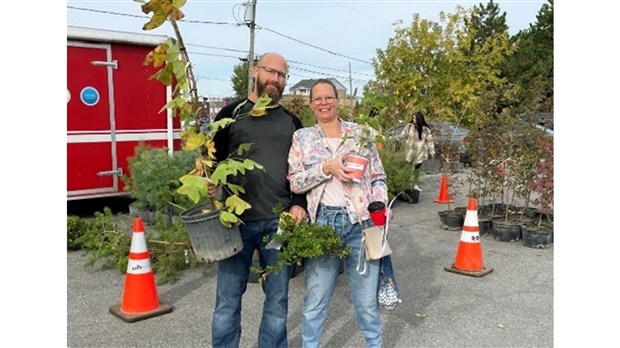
(510, 307)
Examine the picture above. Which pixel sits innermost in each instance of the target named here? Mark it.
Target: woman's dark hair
(329, 82)
(420, 123)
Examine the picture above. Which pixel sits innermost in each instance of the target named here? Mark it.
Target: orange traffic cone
(443, 192)
(469, 252)
(140, 300)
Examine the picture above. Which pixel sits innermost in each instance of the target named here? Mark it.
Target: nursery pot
(211, 240)
(415, 196)
(410, 196)
(506, 232)
(535, 237)
(484, 225)
(451, 220)
(358, 164)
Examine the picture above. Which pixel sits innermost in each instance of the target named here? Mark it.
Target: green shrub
(75, 228)
(110, 242)
(153, 178)
(400, 174)
(104, 240)
(301, 241)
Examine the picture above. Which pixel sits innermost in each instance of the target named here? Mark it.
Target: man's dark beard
(275, 96)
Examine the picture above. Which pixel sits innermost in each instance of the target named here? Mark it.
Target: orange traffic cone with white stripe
(443, 196)
(140, 299)
(469, 252)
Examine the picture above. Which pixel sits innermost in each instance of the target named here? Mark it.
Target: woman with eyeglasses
(316, 167)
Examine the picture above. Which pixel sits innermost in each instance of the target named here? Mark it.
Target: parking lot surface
(510, 307)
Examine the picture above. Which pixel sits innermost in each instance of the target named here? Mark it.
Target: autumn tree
(439, 69)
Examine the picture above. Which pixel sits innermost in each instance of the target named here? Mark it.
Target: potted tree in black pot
(539, 233)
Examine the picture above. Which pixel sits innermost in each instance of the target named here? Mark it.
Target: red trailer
(111, 107)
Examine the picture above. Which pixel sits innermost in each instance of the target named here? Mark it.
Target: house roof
(307, 83)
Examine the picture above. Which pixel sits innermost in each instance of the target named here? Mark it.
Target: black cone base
(130, 318)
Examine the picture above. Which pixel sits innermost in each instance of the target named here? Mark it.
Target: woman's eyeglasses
(318, 100)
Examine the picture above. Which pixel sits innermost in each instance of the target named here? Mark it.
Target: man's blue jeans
(232, 278)
(320, 278)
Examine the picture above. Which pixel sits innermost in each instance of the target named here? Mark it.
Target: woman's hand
(298, 213)
(337, 169)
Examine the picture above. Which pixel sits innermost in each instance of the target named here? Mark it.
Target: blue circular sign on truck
(89, 96)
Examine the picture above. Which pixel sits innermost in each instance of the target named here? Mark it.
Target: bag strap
(385, 228)
(362, 264)
(387, 221)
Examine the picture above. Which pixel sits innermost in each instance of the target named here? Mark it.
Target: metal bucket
(211, 240)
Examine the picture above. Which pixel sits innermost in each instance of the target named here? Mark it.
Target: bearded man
(270, 135)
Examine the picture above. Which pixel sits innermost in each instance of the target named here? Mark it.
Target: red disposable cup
(377, 212)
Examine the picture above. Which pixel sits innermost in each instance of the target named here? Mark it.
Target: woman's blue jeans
(320, 278)
(232, 278)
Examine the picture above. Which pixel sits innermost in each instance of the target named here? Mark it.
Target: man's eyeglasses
(280, 74)
(318, 100)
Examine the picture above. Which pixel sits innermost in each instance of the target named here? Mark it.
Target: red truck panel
(137, 99)
(103, 135)
(89, 148)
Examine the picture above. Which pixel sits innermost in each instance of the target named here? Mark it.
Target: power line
(320, 73)
(362, 13)
(147, 17)
(218, 48)
(313, 46)
(234, 24)
(245, 51)
(326, 68)
(291, 66)
(212, 54)
(212, 78)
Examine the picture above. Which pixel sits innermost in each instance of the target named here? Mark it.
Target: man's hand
(212, 190)
(298, 213)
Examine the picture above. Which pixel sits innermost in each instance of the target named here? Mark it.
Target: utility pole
(250, 17)
(350, 80)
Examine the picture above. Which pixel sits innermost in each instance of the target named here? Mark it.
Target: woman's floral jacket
(309, 151)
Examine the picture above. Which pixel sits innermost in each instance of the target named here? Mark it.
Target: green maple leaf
(193, 186)
(237, 205)
(217, 125)
(236, 189)
(260, 107)
(245, 147)
(221, 172)
(228, 219)
(250, 164)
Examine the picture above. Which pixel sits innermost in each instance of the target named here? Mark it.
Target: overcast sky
(318, 38)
